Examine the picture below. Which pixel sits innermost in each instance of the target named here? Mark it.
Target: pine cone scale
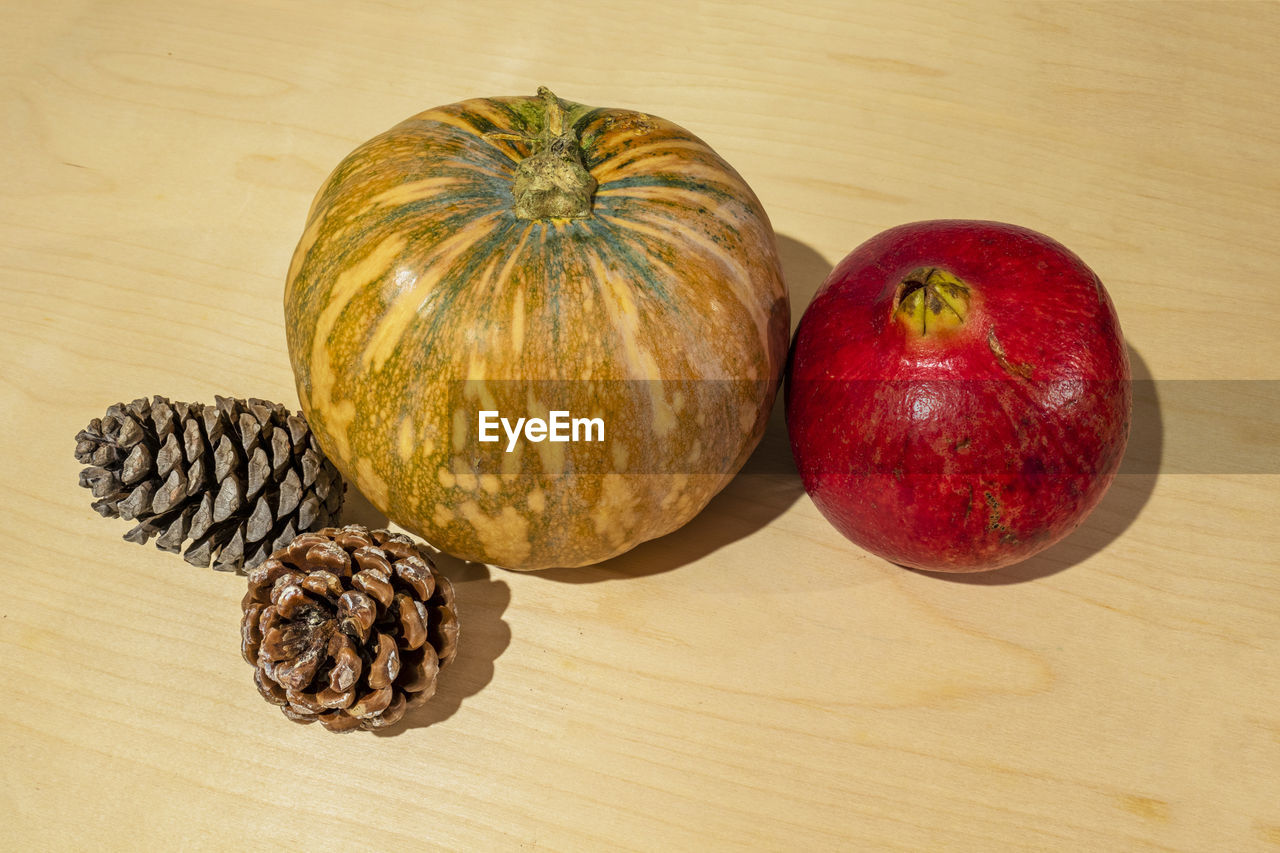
(202, 518)
(386, 664)
(137, 465)
(171, 539)
(260, 521)
(378, 587)
(130, 433)
(419, 670)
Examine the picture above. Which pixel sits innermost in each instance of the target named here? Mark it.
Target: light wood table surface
(753, 680)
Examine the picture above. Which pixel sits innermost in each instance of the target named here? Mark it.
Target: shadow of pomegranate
(1119, 508)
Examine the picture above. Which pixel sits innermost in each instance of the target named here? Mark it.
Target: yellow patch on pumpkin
(339, 415)
(551, 454)
(405, 444)
(309, 236)
(621, 456)
(664, 419)
(695, 452)
(477, 390)
(460, 421)
(678, 484)
(615, 510)
(536, 500)
(505, 536)
(370, 484)
(517, 323)
(411, 191)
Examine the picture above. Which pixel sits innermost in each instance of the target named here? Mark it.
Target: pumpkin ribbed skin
(417, 297)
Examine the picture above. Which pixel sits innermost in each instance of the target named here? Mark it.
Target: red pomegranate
(958, 394)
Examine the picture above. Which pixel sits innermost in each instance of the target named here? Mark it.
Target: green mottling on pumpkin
(640, 269)
(718, 192)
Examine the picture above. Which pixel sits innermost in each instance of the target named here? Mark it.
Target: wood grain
(753, 680)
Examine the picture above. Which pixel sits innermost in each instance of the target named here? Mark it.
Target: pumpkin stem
(552, 182)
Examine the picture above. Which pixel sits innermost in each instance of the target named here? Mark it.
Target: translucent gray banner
(679, 426)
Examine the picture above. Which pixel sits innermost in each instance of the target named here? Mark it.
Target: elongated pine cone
(238, 478)
(348, 626)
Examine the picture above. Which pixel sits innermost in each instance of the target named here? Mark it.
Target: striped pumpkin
(523, 256)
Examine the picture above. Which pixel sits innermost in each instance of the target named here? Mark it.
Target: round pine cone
(348, 626)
